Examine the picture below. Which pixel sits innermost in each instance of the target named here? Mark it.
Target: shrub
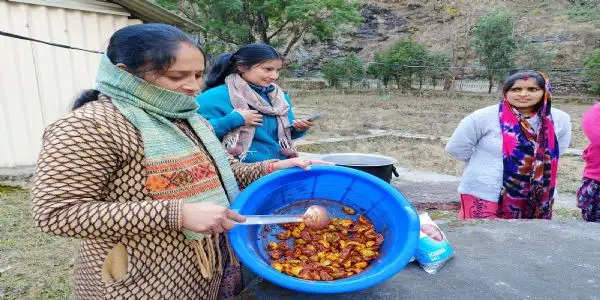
(592, 61)
(349, 69)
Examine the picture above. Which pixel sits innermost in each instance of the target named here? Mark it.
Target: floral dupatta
(530, 161)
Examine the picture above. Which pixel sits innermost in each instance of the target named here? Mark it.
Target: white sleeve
(563, 132)
(463, 140)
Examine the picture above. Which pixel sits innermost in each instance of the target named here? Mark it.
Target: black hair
(142, 48)
(247, 56)
(521, 74)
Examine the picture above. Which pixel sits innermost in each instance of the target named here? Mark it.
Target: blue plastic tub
(286, 191)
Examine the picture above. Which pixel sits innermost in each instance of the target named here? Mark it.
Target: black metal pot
(378, 165)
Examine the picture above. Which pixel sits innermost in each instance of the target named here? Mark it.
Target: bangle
(270, 167)
(180, 215)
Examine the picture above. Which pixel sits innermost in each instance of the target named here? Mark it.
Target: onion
(316, 217)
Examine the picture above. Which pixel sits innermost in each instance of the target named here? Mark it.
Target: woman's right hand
(251, 117)
(207, 217)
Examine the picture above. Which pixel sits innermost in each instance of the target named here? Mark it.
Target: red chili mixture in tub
(342, 249)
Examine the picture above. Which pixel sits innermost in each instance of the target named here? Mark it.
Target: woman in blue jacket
(249, 112)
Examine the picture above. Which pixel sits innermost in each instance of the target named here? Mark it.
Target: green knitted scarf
(166, 147)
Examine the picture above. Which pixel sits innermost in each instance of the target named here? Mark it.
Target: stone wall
(303, 84)
(568, 83)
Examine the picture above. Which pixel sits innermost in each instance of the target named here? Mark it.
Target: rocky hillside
(443, 25)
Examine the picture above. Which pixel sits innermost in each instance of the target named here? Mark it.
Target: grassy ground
(33, 265)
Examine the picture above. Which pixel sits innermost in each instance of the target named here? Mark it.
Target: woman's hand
(297, 162)
(207, 217)
(301, 125)
(251, 117)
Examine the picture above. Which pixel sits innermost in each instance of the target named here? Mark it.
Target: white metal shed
(38, 81)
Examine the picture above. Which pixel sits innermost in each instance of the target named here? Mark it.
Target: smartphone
(314, 117)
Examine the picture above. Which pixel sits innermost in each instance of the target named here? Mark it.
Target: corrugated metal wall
(38, 82)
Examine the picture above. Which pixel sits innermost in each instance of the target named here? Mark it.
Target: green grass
(564, 213)
(8, 189)
(33, 265)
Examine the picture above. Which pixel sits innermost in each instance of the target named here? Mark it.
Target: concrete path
(508, 259)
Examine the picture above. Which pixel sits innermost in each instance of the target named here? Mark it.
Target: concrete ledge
(20, 176)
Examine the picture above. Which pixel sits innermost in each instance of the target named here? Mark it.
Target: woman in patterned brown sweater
(140, 178)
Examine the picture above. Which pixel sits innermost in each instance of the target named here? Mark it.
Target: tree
(333, 71)
(400, 62)
(349, 69)
(495, 43)
(280, 23)
(592, 61)
(380, 69)
(439, 67)
(404, 56)
(354, 69)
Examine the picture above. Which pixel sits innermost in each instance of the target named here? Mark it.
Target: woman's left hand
(303, 163)
(299, 124)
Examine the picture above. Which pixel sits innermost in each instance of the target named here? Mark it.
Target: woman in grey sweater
(511, 152)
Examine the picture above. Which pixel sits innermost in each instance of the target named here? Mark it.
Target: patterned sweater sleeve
(246, 173)
(79, 157)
